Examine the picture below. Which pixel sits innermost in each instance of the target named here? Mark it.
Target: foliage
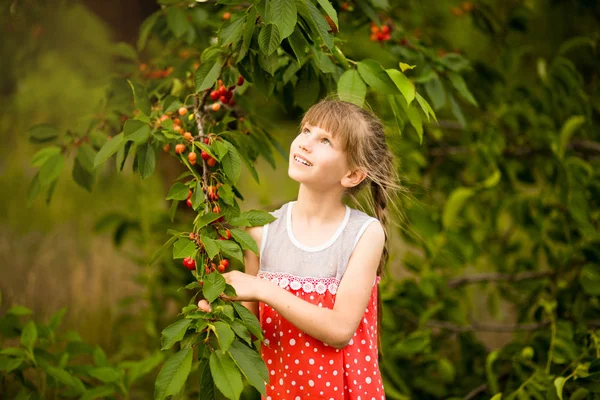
(511, 182)
(38, 362)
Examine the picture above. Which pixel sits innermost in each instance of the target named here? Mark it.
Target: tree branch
(496, 277)
(481, 327)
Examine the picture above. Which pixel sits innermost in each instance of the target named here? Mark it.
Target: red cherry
(225, 262)
(240, 81)
(214, 95)
(190, 193)
(189, 263)
(211, 162)
(227, 234)
(380, 36)
(192, 158)
(221, 268)
(205, 156)
(207, 140)
(216, 209)
(222, 90)
(188, 202)
(206, 270)
(182, 111)
(385, 29)
(224, 99)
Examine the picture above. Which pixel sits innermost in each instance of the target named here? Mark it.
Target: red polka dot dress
(300, 366)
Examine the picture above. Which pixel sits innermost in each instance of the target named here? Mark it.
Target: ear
(353, 178)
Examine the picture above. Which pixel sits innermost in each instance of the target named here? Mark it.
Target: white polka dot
(281, 381)
(311, 361)
(307, 344)
(267, 342)
(335, 372)
(321, 368)
(368, 358)
(327, 384)
(272, 372)
(300, 372)
(293, 342)
(269, 320)
(294, 384)
(368, 380)
(297, 361)
(331, 362)
(319, 376)
(311, 383)
(351, 342)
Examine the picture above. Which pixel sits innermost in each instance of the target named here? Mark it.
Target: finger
(204, 306)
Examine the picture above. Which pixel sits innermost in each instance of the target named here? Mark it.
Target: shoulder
(256, 232)
(373, 232)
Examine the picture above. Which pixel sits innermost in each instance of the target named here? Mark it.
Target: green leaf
(589, 278)
(415, 120)
(284, 14)
(257, 217)
(426, 107)
(406, 87)
(231, 248)
(106, 374)
(398, 113)
(178, 192)
(352, 88)
(307, 88)
(136, 131)
(29, 336)
(184, 247)
(110, 147)
(140, 96)
(174, 373)
(298, 43)
(224, 334)
(251, 364)
(559, 383)
(207, 219)
(210, 245)
(207, 385)
(146, 160)
(44, 154)
(214, 284)
(42, 133)
(454, 204)
(459, 84)
(19, 311)
(247, 34)
(330, 11)
(51, 169)
(226, 194)
(9, 364)
(174, 333)
(137, 369)
(376, 77)
(316, 20)
(226, 375)
(206, 75)
(269, 38)
(489, 370)
(249, 319)
(146, 29)
(198, 197)
(231, 31)
(86, 155)
(567, 130)
(177, 21)
(66, 378)
(232, 165)
(457, 111)
(82, 176)
(435, 91)
(416, 342)
(244, 239)
(99, 392)
(241, 331)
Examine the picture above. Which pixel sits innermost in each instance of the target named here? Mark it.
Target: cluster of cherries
(190, 264)
(380, 34)
(224, 95)
(156, 74)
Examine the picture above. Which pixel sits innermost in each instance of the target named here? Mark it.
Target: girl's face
(317, 159)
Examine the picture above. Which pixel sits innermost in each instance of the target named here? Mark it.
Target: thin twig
(496, 277)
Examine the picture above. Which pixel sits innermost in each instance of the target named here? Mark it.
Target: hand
(247, 287)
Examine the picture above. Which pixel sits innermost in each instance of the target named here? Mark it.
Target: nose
(304, 145)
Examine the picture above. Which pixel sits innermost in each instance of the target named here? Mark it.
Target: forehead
(318, 129)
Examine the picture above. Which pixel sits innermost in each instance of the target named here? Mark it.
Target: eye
(305, 131)
(326, 141)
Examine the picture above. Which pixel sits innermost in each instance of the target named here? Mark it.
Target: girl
(314, 286)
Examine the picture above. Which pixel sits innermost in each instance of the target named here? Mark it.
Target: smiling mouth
(302, 161)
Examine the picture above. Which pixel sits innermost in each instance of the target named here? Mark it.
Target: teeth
(302, 161)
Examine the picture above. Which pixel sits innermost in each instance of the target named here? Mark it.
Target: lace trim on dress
(308, 284)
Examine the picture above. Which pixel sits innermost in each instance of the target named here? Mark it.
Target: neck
(318, 205)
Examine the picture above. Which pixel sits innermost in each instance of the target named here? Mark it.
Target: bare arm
(336, 326)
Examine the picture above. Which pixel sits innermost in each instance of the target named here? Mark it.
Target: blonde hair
(360, 133)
